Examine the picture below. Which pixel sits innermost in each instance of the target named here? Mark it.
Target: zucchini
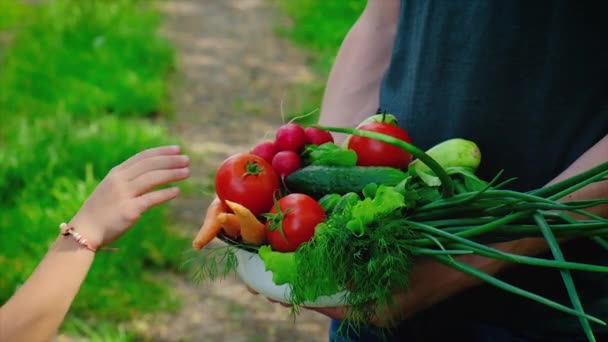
(317, 181)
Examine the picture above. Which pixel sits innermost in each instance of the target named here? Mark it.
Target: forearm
(596, 155)
(38, 307)
(353, 88)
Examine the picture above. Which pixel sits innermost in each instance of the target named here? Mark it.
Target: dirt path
(234, 74)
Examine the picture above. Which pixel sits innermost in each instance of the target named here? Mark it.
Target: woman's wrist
(88, 231)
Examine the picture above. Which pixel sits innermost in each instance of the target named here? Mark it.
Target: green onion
(472, 271)
(566, 275)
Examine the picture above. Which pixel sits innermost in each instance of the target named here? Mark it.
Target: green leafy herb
(363, 249)
(211, 263)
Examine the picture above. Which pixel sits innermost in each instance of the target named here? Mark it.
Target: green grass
(107, 52)
(319, 26)
(78, 83)
(12, 13)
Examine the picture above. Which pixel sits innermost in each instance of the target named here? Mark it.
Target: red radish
(286, 162)
(317, 136)
(290, 137)
(266, 150)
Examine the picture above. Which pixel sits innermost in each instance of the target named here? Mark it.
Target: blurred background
(84, 84)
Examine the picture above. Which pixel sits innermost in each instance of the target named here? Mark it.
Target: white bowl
(252, 271)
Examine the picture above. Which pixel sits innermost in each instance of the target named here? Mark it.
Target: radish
(317, 136)
(286, 162)
(290, 137)
(266, 150)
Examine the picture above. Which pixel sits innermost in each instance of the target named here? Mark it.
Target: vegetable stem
(566, 275)
(570, 182)
(484, 250)
(511, 288)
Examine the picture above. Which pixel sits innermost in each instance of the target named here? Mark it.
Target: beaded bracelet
(69, 230)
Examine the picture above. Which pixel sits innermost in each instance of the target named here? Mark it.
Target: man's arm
(431, 282)
(353, 88)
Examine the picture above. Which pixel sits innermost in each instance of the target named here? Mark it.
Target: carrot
(231, 224)
(252, 230)
(211, 226)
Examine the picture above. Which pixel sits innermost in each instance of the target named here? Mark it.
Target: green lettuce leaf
(282, 265)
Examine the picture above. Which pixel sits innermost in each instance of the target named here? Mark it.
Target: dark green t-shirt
(528, 82)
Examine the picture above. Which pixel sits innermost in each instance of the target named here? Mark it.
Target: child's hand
(124, 194)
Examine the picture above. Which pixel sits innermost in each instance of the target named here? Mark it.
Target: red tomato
(249, 180)
(294, 223)
(372, 152)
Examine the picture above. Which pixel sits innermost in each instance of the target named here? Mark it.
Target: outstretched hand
(126, 193)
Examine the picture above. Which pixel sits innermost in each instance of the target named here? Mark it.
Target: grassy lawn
(79, 83)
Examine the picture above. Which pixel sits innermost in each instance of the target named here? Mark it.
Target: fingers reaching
(156, 163)
(157, 151)
(154, 178)
(157, 197)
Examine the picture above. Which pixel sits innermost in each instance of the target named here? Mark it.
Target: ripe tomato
(372, 152)
(249, 180)
(294, 223)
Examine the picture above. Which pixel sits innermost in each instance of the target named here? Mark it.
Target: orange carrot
(211, 226)
(252, 230)
(231, 224)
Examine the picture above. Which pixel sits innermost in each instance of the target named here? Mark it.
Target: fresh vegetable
(450, 153)
(266, 150)
(364, 242)
(329, 154)
(290, 137)
(317, 181)
(230, 224)
(371, 263)
(292, 221)
(386, 118)
(446, 224)
(315, 136)
(211, 226)
(446, 183)
(249, 180)
(371, 152)
(382, 117)
(282, 265)
(284, 268)
(286, 163)
(252, 230)
(346, 203)
(329, 201)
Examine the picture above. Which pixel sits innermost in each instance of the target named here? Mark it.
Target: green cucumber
(317, 181)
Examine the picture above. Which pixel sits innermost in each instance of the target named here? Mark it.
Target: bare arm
(432, 282)
(36, 310)
(353, 88)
